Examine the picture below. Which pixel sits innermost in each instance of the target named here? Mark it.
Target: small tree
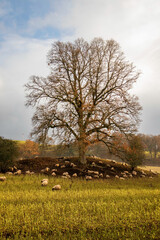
(28, 149)
(130, 149)
(86, 97)
(8, 153)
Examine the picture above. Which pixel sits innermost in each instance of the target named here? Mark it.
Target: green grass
(100, 209)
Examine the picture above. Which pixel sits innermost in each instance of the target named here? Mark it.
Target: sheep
(47, 169)
(56, 187)
(72, 165)
(9, 173)
(134, 173)
(101, 175)
(90, 171)
(45, 179)
(95, 176)
(57, 165)
(2, 179)
(44, 182)
(63, 166)
(117, 176)
(107, 176)
(93, 164)
(65, 173)
(74, 175)
(18, 172)
(88, 177)
(54, 170)
(53, 174)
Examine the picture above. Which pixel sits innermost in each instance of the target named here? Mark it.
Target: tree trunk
(82, 151)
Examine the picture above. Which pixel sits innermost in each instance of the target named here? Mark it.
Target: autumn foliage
(28, 149)
(129, 149)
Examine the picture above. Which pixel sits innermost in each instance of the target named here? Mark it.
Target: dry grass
(154, 168)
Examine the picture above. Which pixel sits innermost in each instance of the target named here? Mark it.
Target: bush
(8, 153)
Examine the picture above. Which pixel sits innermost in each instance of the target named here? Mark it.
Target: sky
(29, 27)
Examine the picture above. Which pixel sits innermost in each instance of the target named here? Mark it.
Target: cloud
(21, 59)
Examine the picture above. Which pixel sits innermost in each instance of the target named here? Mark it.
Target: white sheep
(88, 177)
(56, 187)
(2, 179)
(44, 182)
(74, 175)
(53, 174)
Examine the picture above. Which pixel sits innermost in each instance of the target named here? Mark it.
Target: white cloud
(21, 58)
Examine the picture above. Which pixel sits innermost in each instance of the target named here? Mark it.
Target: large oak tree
(86, 98)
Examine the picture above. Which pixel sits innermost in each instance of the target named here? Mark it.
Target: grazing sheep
(54, 170)
(53, 174)
(101, 175)
(117, 176)
(45, 179)
(18, 172)
(9, 173)
(65, 177)
(2, 179)
(65, 173)
(96, 172)
(88, 177)
(44, 182)
(93, 164)
(72, 165)
(121, 178)
(67, 162)
(95, 176)
(112, 169)
(47, 169)
(107, 176)
(74, 175)
(56, 187)
(28, 172)
(134, 173)
(57, 165)
(63, 166)
(90, 172)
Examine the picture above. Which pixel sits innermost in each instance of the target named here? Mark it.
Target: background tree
(8, 153)
(87, 95)
(28, 149)
(129, 149)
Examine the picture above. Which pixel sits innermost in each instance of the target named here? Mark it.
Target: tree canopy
(86, 98)
(8, 153)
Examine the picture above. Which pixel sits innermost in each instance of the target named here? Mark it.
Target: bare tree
(86, 97)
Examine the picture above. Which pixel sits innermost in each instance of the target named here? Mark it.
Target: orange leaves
(29, 149)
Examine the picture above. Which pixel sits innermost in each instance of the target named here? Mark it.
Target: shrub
(8, 153)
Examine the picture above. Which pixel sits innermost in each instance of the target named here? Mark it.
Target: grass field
(154, 168)
(99, 209)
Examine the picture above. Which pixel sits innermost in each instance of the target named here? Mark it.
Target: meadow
(89, 210)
